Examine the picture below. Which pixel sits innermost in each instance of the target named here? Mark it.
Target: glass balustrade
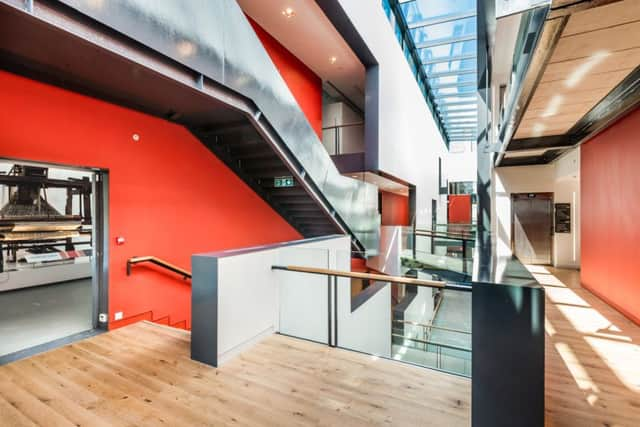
(329, 297)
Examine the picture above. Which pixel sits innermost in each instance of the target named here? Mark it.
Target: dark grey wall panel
(508, 356)
(204, 309)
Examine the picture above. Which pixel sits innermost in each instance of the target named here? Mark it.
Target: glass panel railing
(414, 320)
(448, 255)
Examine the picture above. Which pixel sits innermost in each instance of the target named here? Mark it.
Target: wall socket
(118, 315)
(103, 317)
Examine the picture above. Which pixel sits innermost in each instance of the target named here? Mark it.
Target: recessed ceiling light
(333, 59)
(289, 13)
(186, 48)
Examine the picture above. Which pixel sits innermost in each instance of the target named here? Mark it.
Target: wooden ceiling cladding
(598, 48)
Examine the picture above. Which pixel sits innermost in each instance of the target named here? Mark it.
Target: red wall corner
(303, 83)
(395, 209)
(610, 215)
(169, 196)
(459, 209)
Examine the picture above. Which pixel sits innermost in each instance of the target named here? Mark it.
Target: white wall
(410, 142)
(255, 301)
(250, 293)
(462, 162)
(562, 178)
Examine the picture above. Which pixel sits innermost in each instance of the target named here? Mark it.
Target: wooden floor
(142, 375)
(592, 356)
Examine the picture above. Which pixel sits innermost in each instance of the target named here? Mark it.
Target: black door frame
(100, 224)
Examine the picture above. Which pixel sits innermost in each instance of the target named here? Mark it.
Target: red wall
(459, 209)
(169, 196)
(610, 215)
(395, 209)
(303, 83)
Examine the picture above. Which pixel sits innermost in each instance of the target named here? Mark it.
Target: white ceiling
(311, 37)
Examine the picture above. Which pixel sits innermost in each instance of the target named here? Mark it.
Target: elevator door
(532, 227)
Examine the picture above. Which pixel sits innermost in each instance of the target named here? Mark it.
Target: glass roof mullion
(452, 114)
(449, 59)
(451, 73)
(447, 40)
(465, 98)
(442, 19)
(454, 84)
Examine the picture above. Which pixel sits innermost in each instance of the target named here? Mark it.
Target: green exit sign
(283, 181)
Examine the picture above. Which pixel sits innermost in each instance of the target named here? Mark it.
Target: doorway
(53, 280)
(532, 227)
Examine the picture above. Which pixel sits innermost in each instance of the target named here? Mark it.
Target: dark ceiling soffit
(338, 17)
(622, 99)
(539, 142)
(544, 159)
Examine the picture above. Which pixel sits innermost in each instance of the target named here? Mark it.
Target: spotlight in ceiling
(288, 13)
(333, 60)
(186, 48)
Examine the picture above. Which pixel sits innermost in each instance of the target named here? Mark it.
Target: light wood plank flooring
(592, 356)
(142, 375)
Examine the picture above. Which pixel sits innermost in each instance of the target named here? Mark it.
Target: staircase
(226, 91)
(245, 152)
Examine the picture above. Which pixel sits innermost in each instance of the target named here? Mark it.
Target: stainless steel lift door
(532, 227)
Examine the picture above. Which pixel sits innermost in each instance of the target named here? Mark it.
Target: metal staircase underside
(243, 112)
(243, 150)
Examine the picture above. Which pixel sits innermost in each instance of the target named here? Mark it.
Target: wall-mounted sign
(283, 181)
(563, 218)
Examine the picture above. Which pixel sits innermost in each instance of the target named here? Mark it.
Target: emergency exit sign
(283, 181)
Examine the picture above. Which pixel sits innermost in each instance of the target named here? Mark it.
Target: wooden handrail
(159, 262)
(366, 276)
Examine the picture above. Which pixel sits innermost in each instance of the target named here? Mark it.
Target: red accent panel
(459, 209)
(168, 194)
(609, 211)
(303, 83)
(359, 264)
(395, 209)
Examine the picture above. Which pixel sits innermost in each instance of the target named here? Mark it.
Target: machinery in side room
(32, 232)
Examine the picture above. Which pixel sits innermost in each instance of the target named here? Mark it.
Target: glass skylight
(439, 41)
